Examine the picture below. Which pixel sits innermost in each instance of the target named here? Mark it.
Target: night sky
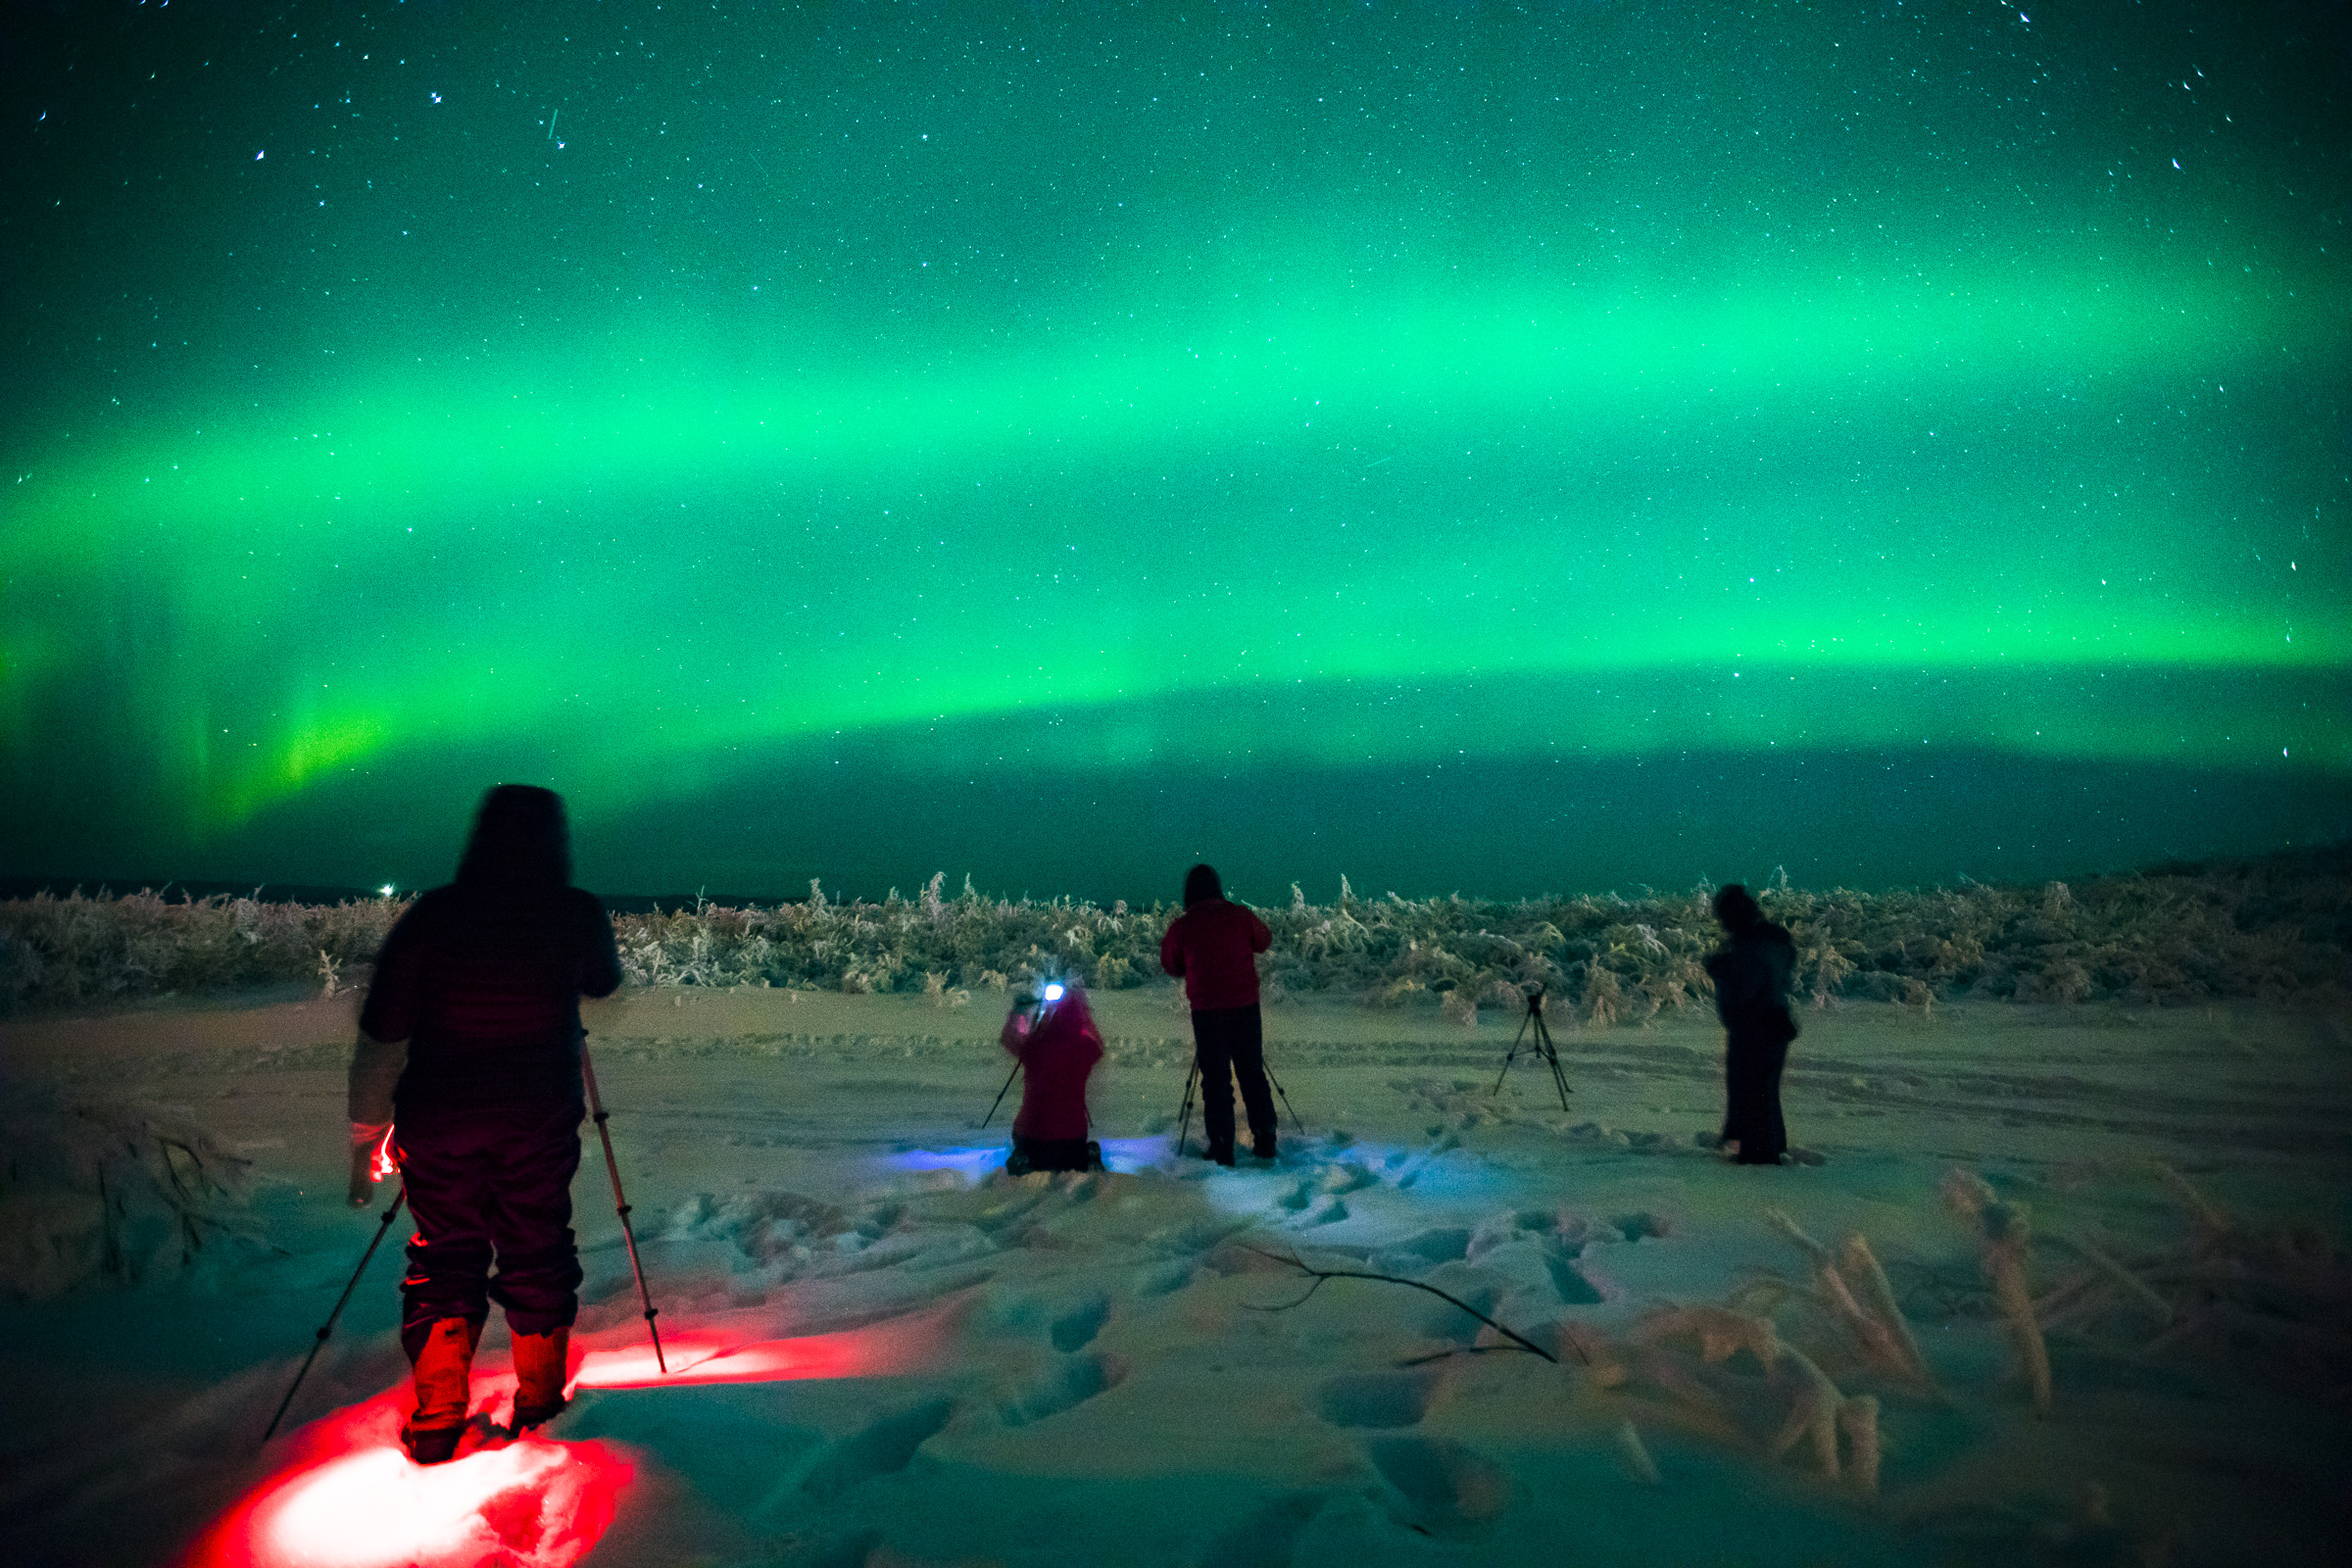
(1502, 448)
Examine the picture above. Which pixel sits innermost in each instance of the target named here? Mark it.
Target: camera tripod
(1541, 1047)
(1192, 1081)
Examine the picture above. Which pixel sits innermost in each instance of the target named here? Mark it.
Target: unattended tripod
(1541, 1047)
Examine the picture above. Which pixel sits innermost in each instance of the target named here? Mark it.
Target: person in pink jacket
(1052, 1034)
(1213, 945)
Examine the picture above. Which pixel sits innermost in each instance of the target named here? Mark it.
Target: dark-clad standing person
(469, 1056)
(1054, 1036)
(1213, 945)
(1751, 973)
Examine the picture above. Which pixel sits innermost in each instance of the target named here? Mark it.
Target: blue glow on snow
(1420, 1174)
(1293, 1192)
(1128, 1156)
(971, 1164)
(1124, 1155)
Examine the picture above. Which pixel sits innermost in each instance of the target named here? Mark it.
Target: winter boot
(540, 1361)
(443, 1378)
(1219, 1154)
(1263, 1145)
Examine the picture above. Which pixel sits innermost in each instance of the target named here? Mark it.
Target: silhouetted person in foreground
(1752, 972)
(469, 1057)
(1053, 1035)
(1214, 946)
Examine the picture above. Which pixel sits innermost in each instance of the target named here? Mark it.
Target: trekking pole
(328, 1327)
(1001, 1094)
(621, 1204)
(1286, 1100)
(1184, 1122)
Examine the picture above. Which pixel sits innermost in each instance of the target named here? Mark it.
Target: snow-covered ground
(883, 1350)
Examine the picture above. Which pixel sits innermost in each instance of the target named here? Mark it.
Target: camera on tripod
(1542, 1045)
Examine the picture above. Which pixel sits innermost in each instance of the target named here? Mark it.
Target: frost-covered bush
(80, 949)
(896, 944)
(96, 1190)
(2276, 929)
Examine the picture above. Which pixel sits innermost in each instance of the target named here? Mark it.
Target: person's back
(1214, 946)
(1057, 1054)
(484, 981)
(471, 1033)
(1058, 1046)
(1753, 971)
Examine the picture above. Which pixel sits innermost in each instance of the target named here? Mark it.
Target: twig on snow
(1320, 1275)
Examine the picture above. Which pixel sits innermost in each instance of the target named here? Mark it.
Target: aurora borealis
(1497, 447)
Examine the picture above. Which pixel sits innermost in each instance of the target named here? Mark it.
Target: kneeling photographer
(1052, 1034)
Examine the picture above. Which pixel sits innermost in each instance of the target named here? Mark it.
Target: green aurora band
(1847, 450)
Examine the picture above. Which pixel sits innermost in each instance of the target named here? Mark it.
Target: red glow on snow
(543, 1504)
(824, 1355)
(714, 1358)
(352, 1498)
(347, 1495)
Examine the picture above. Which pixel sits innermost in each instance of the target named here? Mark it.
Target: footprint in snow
(883, 1448)
(1070, 1384)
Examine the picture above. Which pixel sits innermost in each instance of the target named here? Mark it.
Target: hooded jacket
(1214, 946)
(1058, 1051)
(486, 991)
(482, 979)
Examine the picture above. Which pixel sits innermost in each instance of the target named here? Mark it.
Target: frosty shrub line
(2279, 929)
(79, 949)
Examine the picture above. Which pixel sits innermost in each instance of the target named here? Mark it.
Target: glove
(366, 1140)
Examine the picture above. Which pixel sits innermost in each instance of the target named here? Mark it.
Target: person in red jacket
(1213, 945)
(1053, 1032)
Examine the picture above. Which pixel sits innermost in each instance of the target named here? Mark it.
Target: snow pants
(1230, 1044)
(490, 1185)
(1753, 1055)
